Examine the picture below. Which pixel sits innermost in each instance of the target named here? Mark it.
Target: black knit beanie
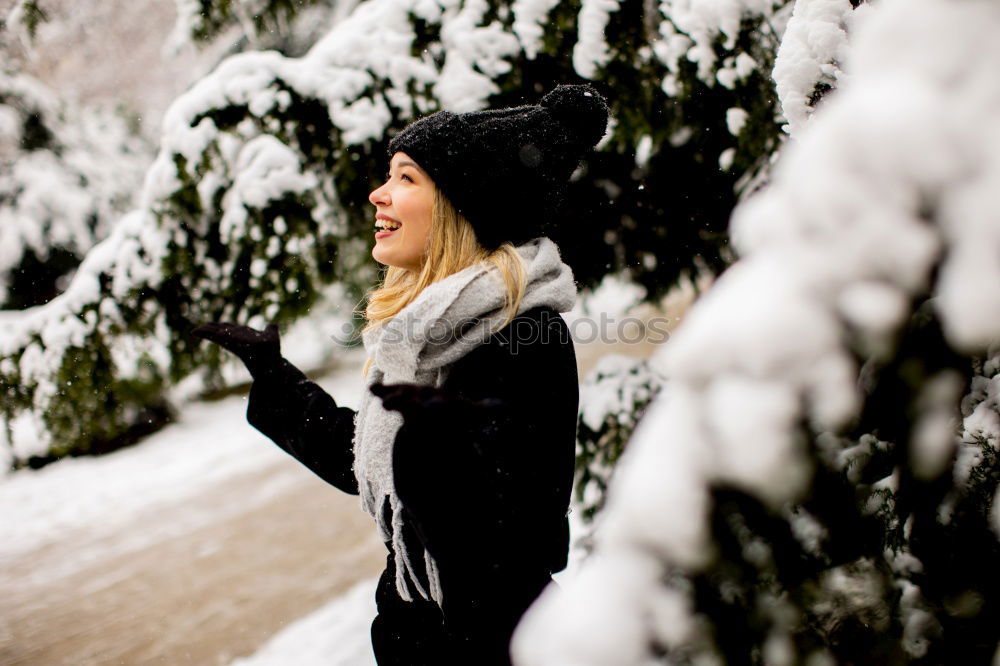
(506, 170)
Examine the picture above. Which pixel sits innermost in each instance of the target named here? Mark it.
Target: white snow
(628, 383)
(811, 52)
(643, 150)
(726, 158)
(877, 308)
(474, 55)
(68, 193)
(209, 442)
(591, 52)
(735, 69)
(614, 296)
(617, 637)
(752, 421)
(529, 19)
(188, 13)
(267, 169)
(736, 118)
(335, 635)
(982, 415)
(694, 26)
(58, 324)
(934, 430)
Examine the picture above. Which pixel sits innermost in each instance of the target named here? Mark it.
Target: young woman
(463, 447)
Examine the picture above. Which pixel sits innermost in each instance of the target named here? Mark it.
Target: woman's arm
(297, 414)
(306, 422)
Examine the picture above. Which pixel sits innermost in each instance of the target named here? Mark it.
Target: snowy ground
(210, 443)
(202, 543)
(335, 635)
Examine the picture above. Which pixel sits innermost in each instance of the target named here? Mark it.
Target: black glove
(260, 351)
(410, 399)
(417, 402)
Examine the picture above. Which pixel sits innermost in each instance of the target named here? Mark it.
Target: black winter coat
(484, 478)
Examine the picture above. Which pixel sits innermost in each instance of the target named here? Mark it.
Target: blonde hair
(451, 247)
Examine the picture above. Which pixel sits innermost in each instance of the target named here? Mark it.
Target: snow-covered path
(196, 546)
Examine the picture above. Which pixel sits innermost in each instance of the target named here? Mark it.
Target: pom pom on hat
(581, 109)
(506, 170)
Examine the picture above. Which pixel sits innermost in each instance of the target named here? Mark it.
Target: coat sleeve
(488, 485)
(306, 422)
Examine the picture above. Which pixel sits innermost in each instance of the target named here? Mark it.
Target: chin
(387, 261)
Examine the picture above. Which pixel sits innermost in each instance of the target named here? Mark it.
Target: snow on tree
(808, 63)
(258, 198)
(204, 20)
(613, 397)
(806, 67)
(287, 26)
(198, 21)
(811, 486)
(28, 14)
(695, 126)
(65, 175)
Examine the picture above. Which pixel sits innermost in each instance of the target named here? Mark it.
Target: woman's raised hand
(260, 351)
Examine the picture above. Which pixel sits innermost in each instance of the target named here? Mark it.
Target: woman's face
(404, 201)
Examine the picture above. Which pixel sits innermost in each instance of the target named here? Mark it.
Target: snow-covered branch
(738, 487)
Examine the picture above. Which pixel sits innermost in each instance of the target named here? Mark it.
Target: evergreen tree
(290, 27)
(64, 177)
(202, 21)
(28, 14)
(816, 481)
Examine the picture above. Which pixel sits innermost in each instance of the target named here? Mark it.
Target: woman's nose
(379, 196)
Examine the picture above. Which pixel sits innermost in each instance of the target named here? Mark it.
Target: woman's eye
(405, 177)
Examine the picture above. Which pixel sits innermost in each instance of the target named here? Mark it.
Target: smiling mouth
(385, 231)
(385, 227)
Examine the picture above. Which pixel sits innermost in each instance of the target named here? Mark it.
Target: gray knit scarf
(419, 345)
